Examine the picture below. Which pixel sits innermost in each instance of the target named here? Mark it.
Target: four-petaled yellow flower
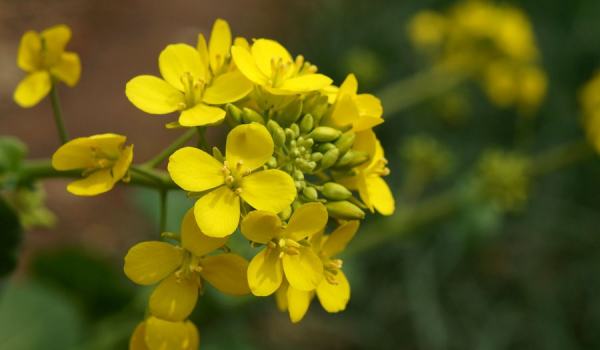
(334, 290)
(180, 270)
(194, 81)
(361, 111)
(157, 334)
(270, 65)
(248, 148)
(103, 158)
(287, 249)
(43, 57)
(373, 190)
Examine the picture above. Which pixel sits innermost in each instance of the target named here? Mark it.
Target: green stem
(202, 144)
(178, 143)
(58, 116)
(164, 196)
(560, 157)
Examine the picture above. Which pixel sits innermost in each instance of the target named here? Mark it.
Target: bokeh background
(449, 271)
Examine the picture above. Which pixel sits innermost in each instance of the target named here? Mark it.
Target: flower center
(101, 160)
(193, 89)
(331, 268)
(380, 167)
(190, 267)
(233, 176)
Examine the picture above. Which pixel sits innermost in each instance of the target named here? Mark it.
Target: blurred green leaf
(9, 238)
(12, 151)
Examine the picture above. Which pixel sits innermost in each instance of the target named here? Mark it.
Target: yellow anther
(229, 180)
(272, 245)
(238, 191)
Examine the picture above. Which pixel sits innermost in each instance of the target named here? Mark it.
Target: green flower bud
(345, 142)
(344, 210)
(286, 213)
(352, 158)
(250, 115)
(310, 193)
(329, 158)
(335, 191)
(317, 156)
(290, 134)
(217, 154)
(326, 147)
(272, 163)
(290, 113)
(325, 134)
(234, 115)
(288, 168)
(298, 175)
(308, 143)
(305, 166)
(299, 185)
(307, 123)
(296, 129)
(277, 132)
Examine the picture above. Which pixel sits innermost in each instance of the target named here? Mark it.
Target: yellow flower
(248, 148)
(43, 57)
(373, 190)
(362, 111)
(194, 81)
(589, 98)
(180, 270)
(268, 64)
(285, 251)
(427, 29)
(157, 334)
(103, 158)
(334, 290)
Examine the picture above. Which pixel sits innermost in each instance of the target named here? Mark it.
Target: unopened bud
(317, 156)
(310, 193)
(298, 175)
(307, 123)
(345, 142)
(344, 210)
(234, 115)
(272, 163)
(286, 213)
(276, 132)
(250, 115)
(352, 159)
(296, 129)
(329, 158)
(325, 134)
(335, 191)
(305, 166)
(299, 185)
(217, 154)
(290, 113)
(326, 147)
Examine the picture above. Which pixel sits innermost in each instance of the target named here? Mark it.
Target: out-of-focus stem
(178, 143)
(58, 116)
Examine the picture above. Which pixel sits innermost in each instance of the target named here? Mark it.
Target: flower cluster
(300, 156)
(494, 43)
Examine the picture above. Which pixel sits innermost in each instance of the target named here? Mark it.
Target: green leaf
(12, 151)
(10, 238)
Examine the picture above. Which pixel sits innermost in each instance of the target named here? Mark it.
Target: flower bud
(298, 175)
(310, 193)
(317, 156)
(234, 115)
(290, 113)
(326, 147)
(277, 132)
(325, 134)
(250, 115)
(335, 191)
(329, 158)
(272, 163)
(296, 129)
(217, 154)
(352, 159)
(344, 210)
(305, 166)
(345, 142)
(286, 213)
(307, 123)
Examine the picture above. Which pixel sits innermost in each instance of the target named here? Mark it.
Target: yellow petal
(174, 299)
(219, 44)
(281, 298)
(345, 111)
(264, 272)
(242, 42)
(32, 89)
(266, 51)
(334, 297)
(249, 143)
(227, 273)
(96, 183)
(178, 59)
(153, 95)
(306, 83)
(218, 212)
(298, 303)
(261, 226)
(137, 340)
(147, 263)
(55, 40)
(271, 190)
(245, 62)
(195, 170)
(67, 69)
(380, 195)
(79, 152)
(337, 241)
(365, 141)
(369, 105)
(194, 240)
(201, 115)
(228, 87)
(307, 220)
(303, 271)
(349, 86)
(30, 52)
(166, 335)
(202, 48)
(122, 164)
(366, 123)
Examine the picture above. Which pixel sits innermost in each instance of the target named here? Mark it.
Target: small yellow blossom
(180, 270)
(268, 64)
(286, 249)
(194, 81)
(43, 57)
(589, 98)
(157, 334)
(248, 148)
(103, 158)
(334, 290)
(373, 190)
(427, 29)
(361, 111)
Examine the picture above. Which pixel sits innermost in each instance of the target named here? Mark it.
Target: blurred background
(494, 244)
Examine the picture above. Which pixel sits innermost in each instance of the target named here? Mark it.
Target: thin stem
(58, 116)
(164, 196)
(180, 141)
(560, 157)
(202, 144)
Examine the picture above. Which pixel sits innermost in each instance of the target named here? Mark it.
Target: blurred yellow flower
(180, 270)
(285, 251)
(334, 290)
(194, 81)
(268, 64)
(248, 148)
(103, 158)
(373, 190)
(361, 111)
(427, 29)
(157, 334)
(43, 56)
(589, 99)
